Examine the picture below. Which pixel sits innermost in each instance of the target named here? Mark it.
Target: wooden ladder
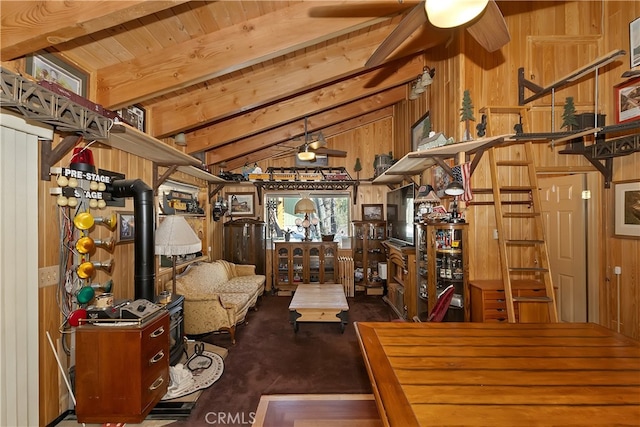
(523, 249)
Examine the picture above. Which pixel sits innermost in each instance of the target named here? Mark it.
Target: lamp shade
(305, 206)
(305, 154)
(449, 14)
(175, 236)
(454, 189)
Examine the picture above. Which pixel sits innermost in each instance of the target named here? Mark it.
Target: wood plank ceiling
(238, 77)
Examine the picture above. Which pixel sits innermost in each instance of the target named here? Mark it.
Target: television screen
(400, 214)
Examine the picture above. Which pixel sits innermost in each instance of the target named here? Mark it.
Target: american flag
(462, 174)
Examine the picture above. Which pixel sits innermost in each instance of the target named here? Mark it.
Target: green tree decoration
(357, 168)
(466, 114)
(569, 120)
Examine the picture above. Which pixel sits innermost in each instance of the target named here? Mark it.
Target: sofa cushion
(240, 301)
(202, 277)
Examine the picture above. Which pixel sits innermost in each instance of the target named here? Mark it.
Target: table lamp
(305, 206)
(174, 237)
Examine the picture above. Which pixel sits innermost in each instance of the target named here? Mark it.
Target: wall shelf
(416, 162)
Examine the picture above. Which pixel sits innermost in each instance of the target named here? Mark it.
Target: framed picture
(634, 42)
(45, 66)
(420, 130)
(241, 204)
(373, 212)
(440, 180)
(134, 116)
(627, 101)
(125, 231)
(627, 209)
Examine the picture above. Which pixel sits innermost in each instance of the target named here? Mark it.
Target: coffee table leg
(344, 319)
(293, 318)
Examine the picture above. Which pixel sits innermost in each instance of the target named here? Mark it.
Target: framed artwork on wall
(627, 100)
(241, 204)
(627, 209)
(634, 42)
(420, 130)
(125, 231)
(373, 212)
(45, 66)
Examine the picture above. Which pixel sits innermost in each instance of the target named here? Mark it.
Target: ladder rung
(520, 214)
(518, 189)
(524, 242)
(513, 163)
(524, 269)
(531, 299)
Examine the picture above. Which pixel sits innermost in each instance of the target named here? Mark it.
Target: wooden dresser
(488, 300)
(121, 371)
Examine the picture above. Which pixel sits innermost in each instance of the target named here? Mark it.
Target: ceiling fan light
(449, 14)
(306, 155)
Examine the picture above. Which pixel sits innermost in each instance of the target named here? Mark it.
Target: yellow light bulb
(62, 181)
(93, 186)
(73, 182)
(62, 200)
(102, 186)
(93, 203)
(102, 204)
(73, 202)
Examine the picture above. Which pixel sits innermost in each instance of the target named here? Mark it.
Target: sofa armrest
(206, 313)
(245, 269)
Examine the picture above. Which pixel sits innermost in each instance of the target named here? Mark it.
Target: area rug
(206, 368)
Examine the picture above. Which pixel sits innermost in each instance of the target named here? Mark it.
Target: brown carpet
(269, 358)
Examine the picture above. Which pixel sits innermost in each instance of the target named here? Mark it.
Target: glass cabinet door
(422, 269)
(328, 264)
(283, 275)
(297, 262)
(314, 265)
(450, 267)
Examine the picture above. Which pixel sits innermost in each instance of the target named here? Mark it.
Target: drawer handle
(158, 357)
(157, 332)
(157, 383)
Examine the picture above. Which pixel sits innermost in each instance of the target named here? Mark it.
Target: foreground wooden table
(319, 303)
(470, 374)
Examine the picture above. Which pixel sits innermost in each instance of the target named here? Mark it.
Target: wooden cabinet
(488, 300)
(121, 371)
(244, 243)
(368, 252)
(442, 260)
(401, 277)
(304, 262)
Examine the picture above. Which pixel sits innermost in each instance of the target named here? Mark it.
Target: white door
(563, 214)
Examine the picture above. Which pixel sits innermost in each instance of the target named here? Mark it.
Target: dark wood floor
(317, 410)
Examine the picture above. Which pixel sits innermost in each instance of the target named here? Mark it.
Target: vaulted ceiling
(238, 77)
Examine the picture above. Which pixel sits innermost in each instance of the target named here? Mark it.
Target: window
(332, 215)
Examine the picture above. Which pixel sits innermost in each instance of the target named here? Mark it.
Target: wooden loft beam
(539, 91)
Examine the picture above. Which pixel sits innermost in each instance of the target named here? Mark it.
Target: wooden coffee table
(319, 303)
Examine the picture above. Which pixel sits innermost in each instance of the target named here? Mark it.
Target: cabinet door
(298, 262)
(422, 268)
(284, 274)
(329, 263)
(315, 265)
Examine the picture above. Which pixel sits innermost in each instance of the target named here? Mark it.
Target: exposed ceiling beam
(276, 80)
(28, 26)
(304, 105)
(222, 52)
(337, 121)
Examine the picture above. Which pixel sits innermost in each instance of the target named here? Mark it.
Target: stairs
(523, 249)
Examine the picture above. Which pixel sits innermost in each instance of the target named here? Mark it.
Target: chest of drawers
(489, 304)
(121, 371)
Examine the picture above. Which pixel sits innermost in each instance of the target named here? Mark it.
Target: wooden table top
(471, 374)
(327, 296)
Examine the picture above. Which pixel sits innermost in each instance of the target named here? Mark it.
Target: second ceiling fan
(314, 143)
(483, 20)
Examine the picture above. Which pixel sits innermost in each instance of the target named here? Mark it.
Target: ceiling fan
(483, 20)
(315, 144)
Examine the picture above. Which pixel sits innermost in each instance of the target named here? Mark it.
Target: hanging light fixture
(304, 154)
(449, 14)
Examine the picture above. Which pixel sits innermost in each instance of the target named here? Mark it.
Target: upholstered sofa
(218, 295)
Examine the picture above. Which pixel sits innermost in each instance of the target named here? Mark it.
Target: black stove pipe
(144, 262)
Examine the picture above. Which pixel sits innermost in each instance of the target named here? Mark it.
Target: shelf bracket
(217, 189)
(539, 91)
(49, 156)
(161, 179)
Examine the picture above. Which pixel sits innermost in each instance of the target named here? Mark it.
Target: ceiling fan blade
(414, 19)
(490, 30)
(331, 152)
